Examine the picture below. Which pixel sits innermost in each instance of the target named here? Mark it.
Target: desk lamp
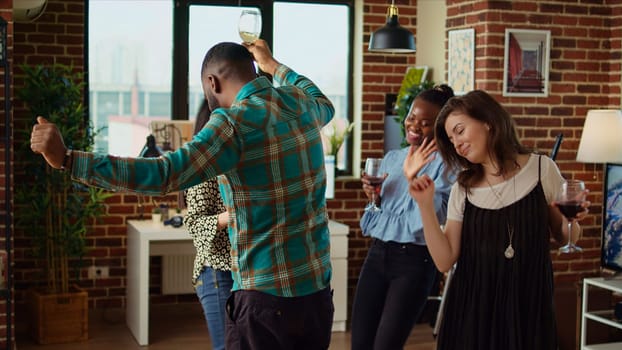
(601, 140)
(150, 149)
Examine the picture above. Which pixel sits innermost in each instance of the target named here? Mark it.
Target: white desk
(145, 239)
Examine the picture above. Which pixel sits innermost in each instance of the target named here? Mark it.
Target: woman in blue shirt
(398, 272)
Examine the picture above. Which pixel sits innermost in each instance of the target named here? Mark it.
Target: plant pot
(156, 219)
(58, 317)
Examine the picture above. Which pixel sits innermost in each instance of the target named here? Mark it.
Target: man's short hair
(228, 57)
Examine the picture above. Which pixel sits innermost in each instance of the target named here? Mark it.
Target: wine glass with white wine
(249, 25)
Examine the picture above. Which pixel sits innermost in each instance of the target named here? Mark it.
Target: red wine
(570, 209)
(375, 180)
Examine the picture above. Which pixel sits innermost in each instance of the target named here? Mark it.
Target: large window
(207, 26)
(130, 70)
(313, 40)
(145, 58)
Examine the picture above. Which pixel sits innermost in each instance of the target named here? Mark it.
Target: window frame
(181, 13)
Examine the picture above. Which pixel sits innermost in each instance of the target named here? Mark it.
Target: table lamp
(601, 140)
(150, 149)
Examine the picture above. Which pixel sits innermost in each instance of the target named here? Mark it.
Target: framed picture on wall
(526, 62)
(461, 60)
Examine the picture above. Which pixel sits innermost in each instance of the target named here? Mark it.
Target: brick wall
(585, 73)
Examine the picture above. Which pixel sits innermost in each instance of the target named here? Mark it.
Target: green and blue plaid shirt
(268, 146)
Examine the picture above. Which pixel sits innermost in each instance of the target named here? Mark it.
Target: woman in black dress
(501, 215)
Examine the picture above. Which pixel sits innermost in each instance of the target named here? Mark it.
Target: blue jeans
(213, 288)
(391, 293)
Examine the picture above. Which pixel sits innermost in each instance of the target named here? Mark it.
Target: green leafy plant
(56, 211)
(402, 105)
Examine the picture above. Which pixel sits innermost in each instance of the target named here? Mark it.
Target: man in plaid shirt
(266, 140)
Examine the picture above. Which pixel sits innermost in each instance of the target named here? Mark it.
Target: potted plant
(56, 212)
(156, 215)
(333, 136)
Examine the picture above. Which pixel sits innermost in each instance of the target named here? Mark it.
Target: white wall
(431, 38)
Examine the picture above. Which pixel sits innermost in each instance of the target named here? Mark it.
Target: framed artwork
(461, 60)
(611, 252)
(526, 62)
(414, 76)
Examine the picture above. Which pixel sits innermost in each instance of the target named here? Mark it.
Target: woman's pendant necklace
(509, 251)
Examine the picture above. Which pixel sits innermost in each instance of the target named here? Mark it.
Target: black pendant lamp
(392, 38)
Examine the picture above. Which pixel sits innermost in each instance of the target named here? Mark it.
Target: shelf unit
(601, 316)
(6, 290)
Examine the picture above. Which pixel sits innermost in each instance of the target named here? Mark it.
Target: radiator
(177, 274)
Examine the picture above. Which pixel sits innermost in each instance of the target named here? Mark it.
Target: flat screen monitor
(611, 251)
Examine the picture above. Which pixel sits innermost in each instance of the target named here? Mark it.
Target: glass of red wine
(570, 202)
(372, 174)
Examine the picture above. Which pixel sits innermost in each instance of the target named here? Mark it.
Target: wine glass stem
(373, 197)
(569, 233)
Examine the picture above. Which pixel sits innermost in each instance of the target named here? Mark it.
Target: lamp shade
(392, 37)
(601, 141)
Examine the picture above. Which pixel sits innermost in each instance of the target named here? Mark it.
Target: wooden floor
(176, 327)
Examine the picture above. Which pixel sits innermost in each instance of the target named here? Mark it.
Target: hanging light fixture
(392, 37)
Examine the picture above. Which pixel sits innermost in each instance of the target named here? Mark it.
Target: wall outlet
(96, 272)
